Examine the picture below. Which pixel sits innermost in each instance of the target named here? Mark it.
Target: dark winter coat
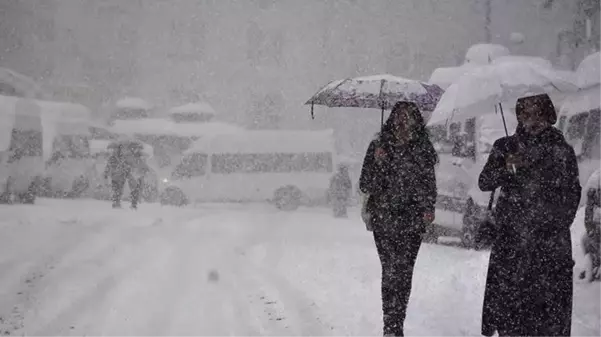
(401, 185)
(117, 167)
(340, 186)
(529, 280)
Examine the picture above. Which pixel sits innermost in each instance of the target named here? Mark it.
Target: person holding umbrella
(530, 274)
(398, 174)
(126, 165)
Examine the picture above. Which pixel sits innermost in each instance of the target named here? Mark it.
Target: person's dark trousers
(117, 184)
(397, 250)
(135, 186)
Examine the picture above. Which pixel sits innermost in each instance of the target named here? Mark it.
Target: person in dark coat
(530, 274)
(126, 165)
(340, 191)
(398, 175)
(119, 170)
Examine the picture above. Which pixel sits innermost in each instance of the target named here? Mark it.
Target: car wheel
(173, 196)
(287, 198)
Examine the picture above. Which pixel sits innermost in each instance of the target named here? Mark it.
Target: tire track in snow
(98, 238)
(204, 306)
(286, 303)
(23, 279)
(66, 312)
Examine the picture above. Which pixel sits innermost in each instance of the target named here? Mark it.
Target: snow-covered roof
(133, 103)
(445, 76)
(163, 126)
(581, 101)
(267, 141)
(588, 71)
(484, 53)
(199, 107)
(101, 145)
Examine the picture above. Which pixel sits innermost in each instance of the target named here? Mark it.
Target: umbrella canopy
(489, 86)
(377, 92)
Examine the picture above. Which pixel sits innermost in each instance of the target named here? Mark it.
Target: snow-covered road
(81, 268)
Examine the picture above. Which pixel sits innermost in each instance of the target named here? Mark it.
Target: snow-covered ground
(81, 268)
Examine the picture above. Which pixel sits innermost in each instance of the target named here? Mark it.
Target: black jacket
(402, 185)
(529, 280)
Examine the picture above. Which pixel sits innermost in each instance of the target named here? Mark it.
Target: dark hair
(421, 139)
(543, 101)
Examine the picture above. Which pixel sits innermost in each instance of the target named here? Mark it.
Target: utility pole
(487, 20)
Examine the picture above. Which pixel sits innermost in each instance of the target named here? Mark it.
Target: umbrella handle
(312, 115)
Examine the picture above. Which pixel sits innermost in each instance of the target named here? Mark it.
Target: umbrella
(484, 87)
(376, 92)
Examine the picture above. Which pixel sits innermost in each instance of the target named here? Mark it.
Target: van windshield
(192, 165)
(72, 146)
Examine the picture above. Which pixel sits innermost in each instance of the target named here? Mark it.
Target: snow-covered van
(463, 147)
(21, 149)
(287, 167)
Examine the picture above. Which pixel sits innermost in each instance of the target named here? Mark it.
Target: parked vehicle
(287, 168)
(463, 147)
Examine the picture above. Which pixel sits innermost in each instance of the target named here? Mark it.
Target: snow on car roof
(162, 126)
(445, 76)
(133, 103)
(199, 107)
(267, 141)
(484, 53)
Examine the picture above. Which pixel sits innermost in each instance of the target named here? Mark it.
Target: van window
(591, 146)
(25, 143)
(272, 163)
(72, 146)
(192, 165)
(577, 126)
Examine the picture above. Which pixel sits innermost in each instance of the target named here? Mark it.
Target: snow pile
(483, 53)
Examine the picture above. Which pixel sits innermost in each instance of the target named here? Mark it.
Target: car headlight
(165, 180)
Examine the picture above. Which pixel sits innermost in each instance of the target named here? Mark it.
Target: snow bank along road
(81, 268)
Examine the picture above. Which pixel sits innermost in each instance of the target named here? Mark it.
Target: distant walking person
(340, 191)
(398, 175)
(126, 165)
(530, 273)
